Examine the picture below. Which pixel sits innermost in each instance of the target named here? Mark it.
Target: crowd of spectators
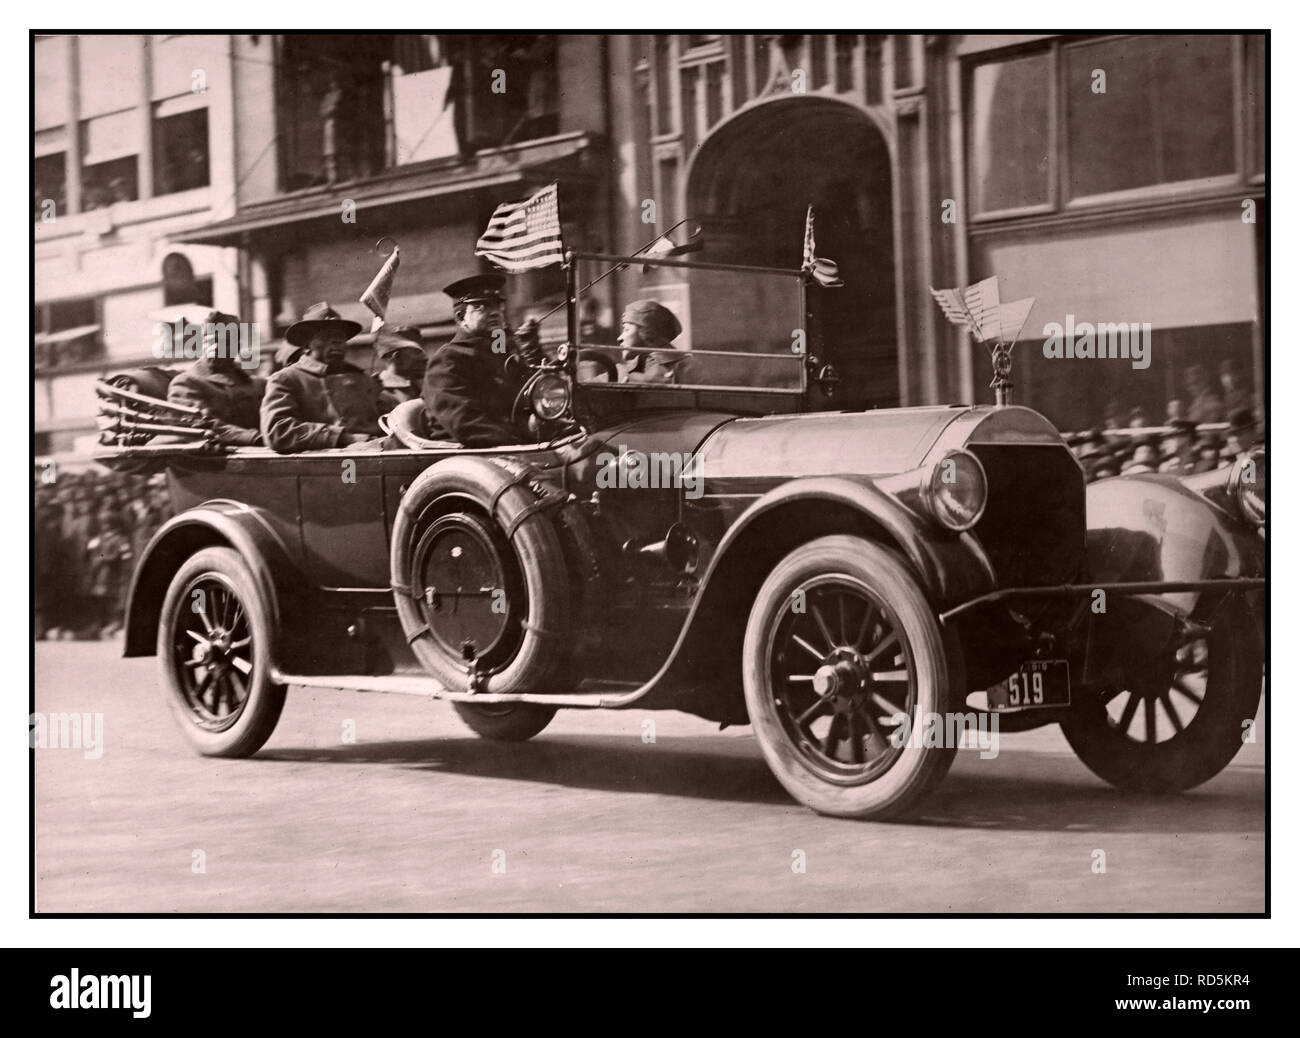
(89, 528)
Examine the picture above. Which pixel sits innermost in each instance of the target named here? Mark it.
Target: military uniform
(397, 346)
(468, 394)
(231, 397)
(309, 406)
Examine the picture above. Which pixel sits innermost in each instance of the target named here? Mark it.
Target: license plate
(1037, 684)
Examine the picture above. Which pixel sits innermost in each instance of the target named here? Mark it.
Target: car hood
(868, 443)
(824, 443)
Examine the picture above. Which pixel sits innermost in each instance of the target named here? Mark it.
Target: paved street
(585, 818)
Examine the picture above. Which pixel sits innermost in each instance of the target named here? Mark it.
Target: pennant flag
(982, 304)
(524, 235)
(975, 308)
(825, 272)
(1012, 318)
(978, 309)
(377, 294)
(661, 246)
(953, 304)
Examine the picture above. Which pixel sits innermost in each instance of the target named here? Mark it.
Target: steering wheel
(602, 360)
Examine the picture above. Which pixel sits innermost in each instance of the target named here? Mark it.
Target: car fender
(1152, 527)
(950, 566)
(703, 665)
(214, 523)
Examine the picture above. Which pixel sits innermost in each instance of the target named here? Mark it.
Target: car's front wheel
(213, 639)
(843, 660)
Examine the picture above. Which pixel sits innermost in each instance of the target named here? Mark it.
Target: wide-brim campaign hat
(478, 288)
(316, 317)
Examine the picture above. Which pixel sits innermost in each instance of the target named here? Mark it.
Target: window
(180, 151)
(352, 106)
(110, 147)
(1166, 114)
(332, 108)
(527, 108)
(1010, 133)
(67, 332)
(1080, 121)
(51, 182)
(106, 183)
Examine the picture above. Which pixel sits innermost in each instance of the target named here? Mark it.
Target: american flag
(825, 272)
(524, 235)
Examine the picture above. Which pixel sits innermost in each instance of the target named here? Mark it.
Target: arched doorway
(750, 186)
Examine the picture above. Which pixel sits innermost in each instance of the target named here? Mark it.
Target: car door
(342, 518)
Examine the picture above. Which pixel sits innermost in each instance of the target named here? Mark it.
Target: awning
(67, 335)
(492, 168)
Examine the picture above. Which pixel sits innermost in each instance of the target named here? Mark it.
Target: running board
(420, 685)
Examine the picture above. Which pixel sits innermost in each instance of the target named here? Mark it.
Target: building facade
(133, 144)
(1115, 179)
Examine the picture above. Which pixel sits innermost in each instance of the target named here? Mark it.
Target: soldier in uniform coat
(401, 350)
(217, 384)
(320, 400)
(469, 389)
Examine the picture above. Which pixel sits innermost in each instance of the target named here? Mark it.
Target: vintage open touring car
(726, 545)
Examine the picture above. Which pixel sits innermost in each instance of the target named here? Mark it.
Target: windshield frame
(620, 262)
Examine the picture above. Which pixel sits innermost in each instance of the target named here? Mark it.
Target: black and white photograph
(723, 473)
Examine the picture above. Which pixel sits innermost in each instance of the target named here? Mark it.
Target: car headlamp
(1248, 484)
(549, 397)
(954, 490)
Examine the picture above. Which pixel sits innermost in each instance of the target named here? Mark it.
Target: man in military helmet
(469, 389)
(219, 386)
(651, 326)
(320, 400)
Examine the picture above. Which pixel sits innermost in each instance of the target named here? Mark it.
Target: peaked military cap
(478, 288)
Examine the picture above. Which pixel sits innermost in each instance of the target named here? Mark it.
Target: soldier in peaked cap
(469, 389)
(648, 325)
(320, 400)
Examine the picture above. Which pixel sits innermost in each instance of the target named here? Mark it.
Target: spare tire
(478, 576)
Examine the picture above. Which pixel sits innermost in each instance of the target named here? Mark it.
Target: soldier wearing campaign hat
(320, 400)
(649, 329)
(469, 389)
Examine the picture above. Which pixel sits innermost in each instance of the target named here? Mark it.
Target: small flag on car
(377, 294)
(979, 309)
(825, 272)
(525, 235)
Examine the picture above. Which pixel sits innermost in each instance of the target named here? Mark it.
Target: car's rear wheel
(840, 648)
(1180, 717)
(505, 722)
(213, 639)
